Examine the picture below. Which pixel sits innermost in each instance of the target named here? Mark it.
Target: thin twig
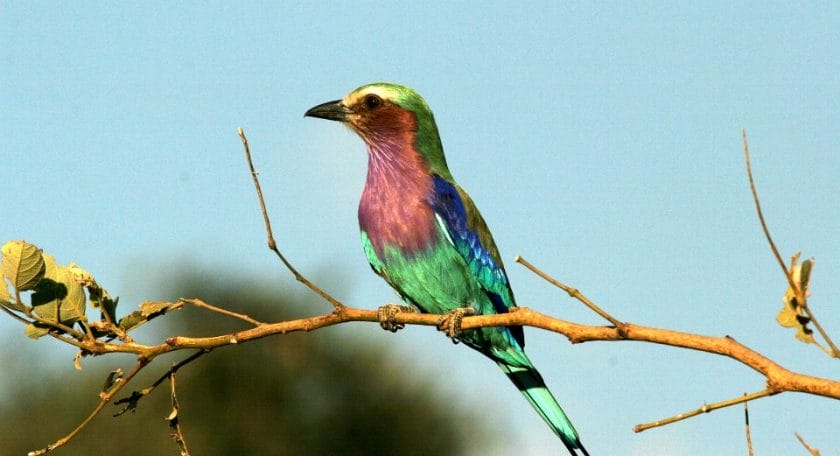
(199, 303)
(792, 283)
(747, 427)
(121, 333)
(81, 345)
(132, 400)
(105, 398)
(271, 242)
(813, 451)
(800, 294)
(13, 314)
(57, 325)
(834, 351)
(86, 326)
(573, 292)
(174, 422)
(706, 408)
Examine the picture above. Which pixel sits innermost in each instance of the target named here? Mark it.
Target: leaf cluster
(53, 299)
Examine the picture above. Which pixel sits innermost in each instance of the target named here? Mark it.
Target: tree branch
(801, 296)
(573, 292)
(272, 244)
(105, 397)
(778, 378)
(706, 408)
(747, 428)
(811, 450)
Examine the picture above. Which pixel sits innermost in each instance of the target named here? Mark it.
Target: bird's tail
(531, 385)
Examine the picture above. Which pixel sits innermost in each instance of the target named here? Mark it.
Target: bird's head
(388, 115)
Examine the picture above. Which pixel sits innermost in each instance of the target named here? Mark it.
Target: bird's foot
(386, 314)
(451, 322)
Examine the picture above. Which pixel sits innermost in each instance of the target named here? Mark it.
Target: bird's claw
(386, 316)
(451, 322)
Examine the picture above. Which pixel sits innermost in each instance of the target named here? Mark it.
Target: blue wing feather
(465, 227)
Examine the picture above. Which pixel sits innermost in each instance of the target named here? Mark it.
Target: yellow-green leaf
(35, 331)
(5, 297)
(793, 313)
(148, 310)
(153, 308)
(73, 306)
(59, 289)
(23, 264)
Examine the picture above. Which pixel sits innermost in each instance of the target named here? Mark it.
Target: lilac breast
(394, 209)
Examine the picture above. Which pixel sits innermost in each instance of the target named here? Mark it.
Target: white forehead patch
(356, 95)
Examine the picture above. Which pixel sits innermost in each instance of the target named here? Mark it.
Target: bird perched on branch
(424, 235)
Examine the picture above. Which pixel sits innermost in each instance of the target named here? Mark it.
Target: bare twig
(105, 397)
(706, 408)
(793, 285)
(813, 451)
(174, 425)
(271, 243)
(132, 400)
(834, 350)
(14, 314)
(200, 303)
(747, 427)
(573, 292)
(801, 298)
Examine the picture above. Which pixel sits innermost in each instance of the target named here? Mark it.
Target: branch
(573, 292)
(272, 244)
(747, 428)
(132, 400)
(706, 408)
(105, 396)
(811, 450)
(791, 282)
(200, 303)
(801, 296)
(174, 425)
(778, 378)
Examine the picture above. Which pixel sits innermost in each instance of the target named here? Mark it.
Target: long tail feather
(531, 385)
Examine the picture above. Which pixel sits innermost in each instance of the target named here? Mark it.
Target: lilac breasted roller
(423, 234)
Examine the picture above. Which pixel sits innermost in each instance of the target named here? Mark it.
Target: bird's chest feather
(395, 210)
(398, 216)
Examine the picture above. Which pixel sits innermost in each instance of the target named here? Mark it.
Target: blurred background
(601, 142)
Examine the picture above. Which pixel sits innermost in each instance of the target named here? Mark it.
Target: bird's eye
(372, 102)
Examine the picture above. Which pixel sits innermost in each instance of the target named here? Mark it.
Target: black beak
(331, 110)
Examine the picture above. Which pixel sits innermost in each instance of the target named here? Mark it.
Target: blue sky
(601, 142)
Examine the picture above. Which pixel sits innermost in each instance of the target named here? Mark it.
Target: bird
(424, 235)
